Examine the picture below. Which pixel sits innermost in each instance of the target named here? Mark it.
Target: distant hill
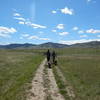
(92, 44)
(27, 45)
(13, 46)
(53, 45)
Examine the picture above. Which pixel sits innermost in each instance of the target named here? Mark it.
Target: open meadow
(79, 66)
(17, 68)
(81, 69)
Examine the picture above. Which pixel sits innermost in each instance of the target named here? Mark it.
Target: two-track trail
(44, 86)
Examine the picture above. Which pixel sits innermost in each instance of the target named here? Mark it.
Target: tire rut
(38, 91)
(69, 88)
(54, 90)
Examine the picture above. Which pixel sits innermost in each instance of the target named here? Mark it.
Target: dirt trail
(53, 87)
(38, 91)
(42, 89)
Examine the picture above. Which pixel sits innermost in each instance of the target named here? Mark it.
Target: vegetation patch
(81, 67)
(61, 84)
(17, 68)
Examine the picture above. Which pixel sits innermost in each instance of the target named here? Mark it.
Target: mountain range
(92, 44)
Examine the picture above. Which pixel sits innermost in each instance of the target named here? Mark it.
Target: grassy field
(81, 68)
(17, 68)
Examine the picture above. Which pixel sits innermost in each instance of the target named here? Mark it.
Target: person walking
(54, 57)
(48, 54)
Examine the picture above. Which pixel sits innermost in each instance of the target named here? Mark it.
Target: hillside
(92, 44)
(27, 45)
(53, 45)
(13, 46)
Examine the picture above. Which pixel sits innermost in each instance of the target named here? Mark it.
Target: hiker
(48, 55)
(54, 57)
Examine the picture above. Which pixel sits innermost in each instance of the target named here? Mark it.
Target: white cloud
(75, 28)
(66, 10)
(16, 14)
(20, 18)
(28, 22)
(54, 11)
(25, 35)
(30, 37)
(37, 38)
(44, 39)
(54, 31)
(89, 31)
(78, 41)
(60, 26)
(33, 37)
(37, 25)
(5, 31)
(21, 22)
(92, 31)
(34, 25)
(83, 36)
(64, 33)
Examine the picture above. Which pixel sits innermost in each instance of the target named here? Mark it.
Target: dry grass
(17, 68)
(81, 68)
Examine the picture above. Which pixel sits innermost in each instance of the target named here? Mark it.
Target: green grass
(61, 84)
(17, 68)
(81, 67)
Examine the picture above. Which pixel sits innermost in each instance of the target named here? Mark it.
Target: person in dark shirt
(53, 57)
(48, 55)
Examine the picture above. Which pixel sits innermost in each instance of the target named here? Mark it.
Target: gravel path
(39, 91)
(53, 87)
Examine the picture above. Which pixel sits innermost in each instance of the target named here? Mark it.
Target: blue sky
(40, 21)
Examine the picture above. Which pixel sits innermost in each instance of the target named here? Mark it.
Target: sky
(40, 21)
